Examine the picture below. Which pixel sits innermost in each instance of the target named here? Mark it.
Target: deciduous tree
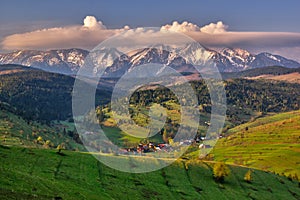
(220, 171)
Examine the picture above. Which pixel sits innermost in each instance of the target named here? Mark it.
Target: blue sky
(254, 15)
(21, 22)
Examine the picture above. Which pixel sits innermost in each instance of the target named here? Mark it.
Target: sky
(255, 25)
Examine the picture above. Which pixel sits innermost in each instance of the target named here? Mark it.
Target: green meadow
(29, 173)
(270, 143)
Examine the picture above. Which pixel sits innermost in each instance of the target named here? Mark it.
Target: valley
(149, 100)
(39, 142)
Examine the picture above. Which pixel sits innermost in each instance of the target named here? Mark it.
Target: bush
(295, 177)
(220, 171)
(40, 140)
(248, 176)
(60, 147)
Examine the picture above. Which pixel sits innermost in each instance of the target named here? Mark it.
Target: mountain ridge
(69, 61)
(64, 61)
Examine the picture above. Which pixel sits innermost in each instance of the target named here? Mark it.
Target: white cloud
(91, 22)
(249, 39)
(82, 36)
(183, 27)
(92, 32)
(212, 28)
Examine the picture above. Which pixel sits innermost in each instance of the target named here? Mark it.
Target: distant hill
(10, 67)
(270, 143)
(270, 70)
(44, 174)
(39, 95)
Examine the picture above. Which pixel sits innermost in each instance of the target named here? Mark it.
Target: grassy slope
(270, 143)
(17, 132)
(120, 137)
(43, 174)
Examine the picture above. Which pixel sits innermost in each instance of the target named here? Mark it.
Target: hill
(270, 70)
(246, 100)
(272, 73)
(15, 131)
(44, 174)
(270, 143)
(39, 95)
(44, 96)
(291, 77)
(11, 68)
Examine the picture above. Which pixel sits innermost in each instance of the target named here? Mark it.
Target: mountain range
(66, 61)
(69, 61)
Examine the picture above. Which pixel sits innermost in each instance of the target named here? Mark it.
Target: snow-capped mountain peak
(273, 57)
(63, 61)
(237, 57)
(69, 61)
(235, 52)
(195, 54)
(105, 57)
(149, 55)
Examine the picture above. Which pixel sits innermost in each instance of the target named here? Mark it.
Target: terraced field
(270, 143)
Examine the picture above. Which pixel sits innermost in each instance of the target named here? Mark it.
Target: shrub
(295, 177)
(248, 176)
(40, 140)
(60, 147)
(220, 171)
(48, 144)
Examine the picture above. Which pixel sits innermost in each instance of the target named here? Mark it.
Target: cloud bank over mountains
(185, 26)
(93, 31)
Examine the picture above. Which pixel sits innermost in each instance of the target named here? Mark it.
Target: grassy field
(28, 173)
(271, 143)
(120, 138)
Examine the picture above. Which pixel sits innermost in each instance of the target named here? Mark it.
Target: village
(144, 148)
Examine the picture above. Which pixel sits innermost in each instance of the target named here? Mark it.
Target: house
(204, 146)
(207, 123)
(202, 138)
(186, 142)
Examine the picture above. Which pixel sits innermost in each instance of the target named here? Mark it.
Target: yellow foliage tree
(60, 147)
(48, 144)
(220, 171)
(248, 176)
(40, 140)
